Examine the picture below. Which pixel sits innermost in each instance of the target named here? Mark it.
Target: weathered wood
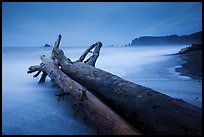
(43, 77)
(92, 60)
(82, 57)
(150, 111)
(106, 121)
(34, 69)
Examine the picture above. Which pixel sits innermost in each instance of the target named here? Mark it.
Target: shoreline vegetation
(194, 38)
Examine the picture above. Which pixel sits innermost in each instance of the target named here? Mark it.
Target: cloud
(85, 23)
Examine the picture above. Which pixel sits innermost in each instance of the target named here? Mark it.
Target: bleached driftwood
(106, 121)
(150, 111)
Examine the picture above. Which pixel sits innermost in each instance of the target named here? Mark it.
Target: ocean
(30, 108)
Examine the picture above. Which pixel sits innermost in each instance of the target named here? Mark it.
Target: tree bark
(150, 111)
(106, 121)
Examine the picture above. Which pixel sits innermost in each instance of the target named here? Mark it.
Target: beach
(192, 65)
(30, 108)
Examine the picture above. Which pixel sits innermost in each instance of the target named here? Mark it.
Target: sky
(33, 24)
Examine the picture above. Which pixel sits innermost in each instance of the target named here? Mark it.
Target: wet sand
(192, 66)
(163, 77)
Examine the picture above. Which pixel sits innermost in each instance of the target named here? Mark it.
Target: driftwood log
(150, 111)
(106, 120)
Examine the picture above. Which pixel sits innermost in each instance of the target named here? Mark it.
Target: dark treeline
(195, 38)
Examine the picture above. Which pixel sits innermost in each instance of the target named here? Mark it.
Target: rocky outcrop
(192, 67)
(188, 49)
(47, 45)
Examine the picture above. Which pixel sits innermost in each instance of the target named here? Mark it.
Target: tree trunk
(150, 111)
(106, 121)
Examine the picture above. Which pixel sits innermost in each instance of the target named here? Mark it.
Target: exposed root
(92, 59)
(43, 77)
(34, 69)
(37, 73)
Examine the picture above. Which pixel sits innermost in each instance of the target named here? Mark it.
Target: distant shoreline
(194, 38)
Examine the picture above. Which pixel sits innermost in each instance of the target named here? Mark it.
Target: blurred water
(29, 108)
(152, 67)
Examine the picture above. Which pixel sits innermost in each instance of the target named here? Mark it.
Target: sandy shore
(192, 65)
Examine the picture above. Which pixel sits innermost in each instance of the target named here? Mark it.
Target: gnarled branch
(106, 120)
(135, 102)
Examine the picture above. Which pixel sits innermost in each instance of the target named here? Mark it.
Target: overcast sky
(84, 23)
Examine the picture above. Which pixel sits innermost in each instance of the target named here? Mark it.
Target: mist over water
(30, 108)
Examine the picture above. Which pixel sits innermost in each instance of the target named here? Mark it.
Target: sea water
(30, 108)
